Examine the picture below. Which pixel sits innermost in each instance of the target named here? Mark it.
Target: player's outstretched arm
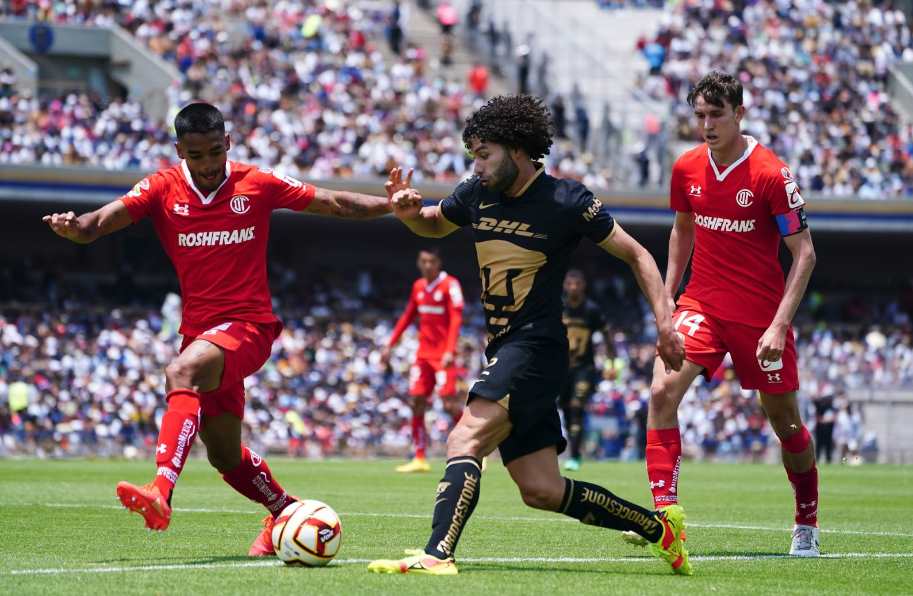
(681, 242)
(89, 227)
(349, 205)
(621, 245)
(771, 344)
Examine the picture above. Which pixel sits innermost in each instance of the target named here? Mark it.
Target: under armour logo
(182, 208)
(808, 505)
(695, 190)
(774, 378)
(658, 484)
(162, 448)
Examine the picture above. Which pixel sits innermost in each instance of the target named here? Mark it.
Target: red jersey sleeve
(678, 198)
(785, 201)
(286, 192)
(454, 313)
(144, 197)
(405, 319)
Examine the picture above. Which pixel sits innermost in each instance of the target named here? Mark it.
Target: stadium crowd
(79, 378)
(304, 86)
(815, 75)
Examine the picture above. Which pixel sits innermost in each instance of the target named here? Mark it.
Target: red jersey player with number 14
(437, 300)
(212, 217)
(734, 201)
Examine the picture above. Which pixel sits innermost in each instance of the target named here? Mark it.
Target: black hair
(432, 250)
(717, 87)
(200, 118)
(514, 121)
(576, 274)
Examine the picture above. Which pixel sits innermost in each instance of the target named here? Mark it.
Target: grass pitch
(63, 532)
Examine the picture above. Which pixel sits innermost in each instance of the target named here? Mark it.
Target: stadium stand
(815, 77)
(80, 378)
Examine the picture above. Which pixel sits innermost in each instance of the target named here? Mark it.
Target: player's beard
(504, 176)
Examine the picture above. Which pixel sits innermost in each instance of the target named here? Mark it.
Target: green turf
(62, 515)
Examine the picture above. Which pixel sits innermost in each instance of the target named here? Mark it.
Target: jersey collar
(752, 143)
(207, 199)
(430, 287)
(529, 182)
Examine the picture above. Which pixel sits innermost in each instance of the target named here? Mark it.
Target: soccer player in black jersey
(526, 224)
(582, 318)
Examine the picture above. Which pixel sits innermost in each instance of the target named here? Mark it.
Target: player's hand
(771, 344)
(671, 348)
(395, 182)
(385, 356)
(407, 204)
(64, 225)
(447, 360)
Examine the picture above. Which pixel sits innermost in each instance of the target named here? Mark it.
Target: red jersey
(439, 306)
(217, 242)
(740, 215)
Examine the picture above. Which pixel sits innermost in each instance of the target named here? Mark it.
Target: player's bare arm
(681, 242)
(91, 226)
(771, 344)
(348, 205)
(621, 245)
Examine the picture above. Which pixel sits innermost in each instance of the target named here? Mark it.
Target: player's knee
(463, 440)
(179, 374)
(541, 496)
(663, 397)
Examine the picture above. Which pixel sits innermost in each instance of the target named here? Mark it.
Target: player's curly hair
(514, 121)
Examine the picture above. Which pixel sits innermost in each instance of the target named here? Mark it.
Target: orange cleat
(263, 543)
(148, 502)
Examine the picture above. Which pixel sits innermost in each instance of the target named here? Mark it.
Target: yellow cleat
(416, 561)
(415, 466)
(638, 540)
(670, 547)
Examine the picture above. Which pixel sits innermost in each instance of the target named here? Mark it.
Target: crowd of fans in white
(308, 90)
(815, 74)
(89, 380)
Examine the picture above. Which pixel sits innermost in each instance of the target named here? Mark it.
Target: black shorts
(579, 383)
(525, 374)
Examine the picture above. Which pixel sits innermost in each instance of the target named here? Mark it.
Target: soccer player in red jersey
(437, 299)
(734, 201)
(212, 217)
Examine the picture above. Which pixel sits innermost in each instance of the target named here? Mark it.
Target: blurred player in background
(583, 318)
(526, 224)
(437, 300)
(734, 200)
(212, 217)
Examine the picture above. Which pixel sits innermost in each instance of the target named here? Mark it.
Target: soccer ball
(307, 533)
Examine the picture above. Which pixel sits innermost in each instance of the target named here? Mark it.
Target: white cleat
(805, 542)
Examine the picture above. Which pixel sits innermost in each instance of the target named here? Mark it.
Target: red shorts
(708, 339)
(425, 374)
(246, 347)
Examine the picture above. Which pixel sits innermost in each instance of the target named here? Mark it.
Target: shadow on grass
(620, 568)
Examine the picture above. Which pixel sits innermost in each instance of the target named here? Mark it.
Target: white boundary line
(274, 563)
(720, 526)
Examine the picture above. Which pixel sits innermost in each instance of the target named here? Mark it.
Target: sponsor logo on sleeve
(793, 197)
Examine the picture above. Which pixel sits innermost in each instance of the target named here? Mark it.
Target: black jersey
(524, 245)
(582, 321)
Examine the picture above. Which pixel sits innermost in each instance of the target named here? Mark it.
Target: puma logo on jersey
(725, 225)
(217, 238)
(504, 226)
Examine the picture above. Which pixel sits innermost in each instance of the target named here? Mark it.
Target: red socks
(805, 484)
(253, 479)
(179, 428)
(664, 456)
(419, 435)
